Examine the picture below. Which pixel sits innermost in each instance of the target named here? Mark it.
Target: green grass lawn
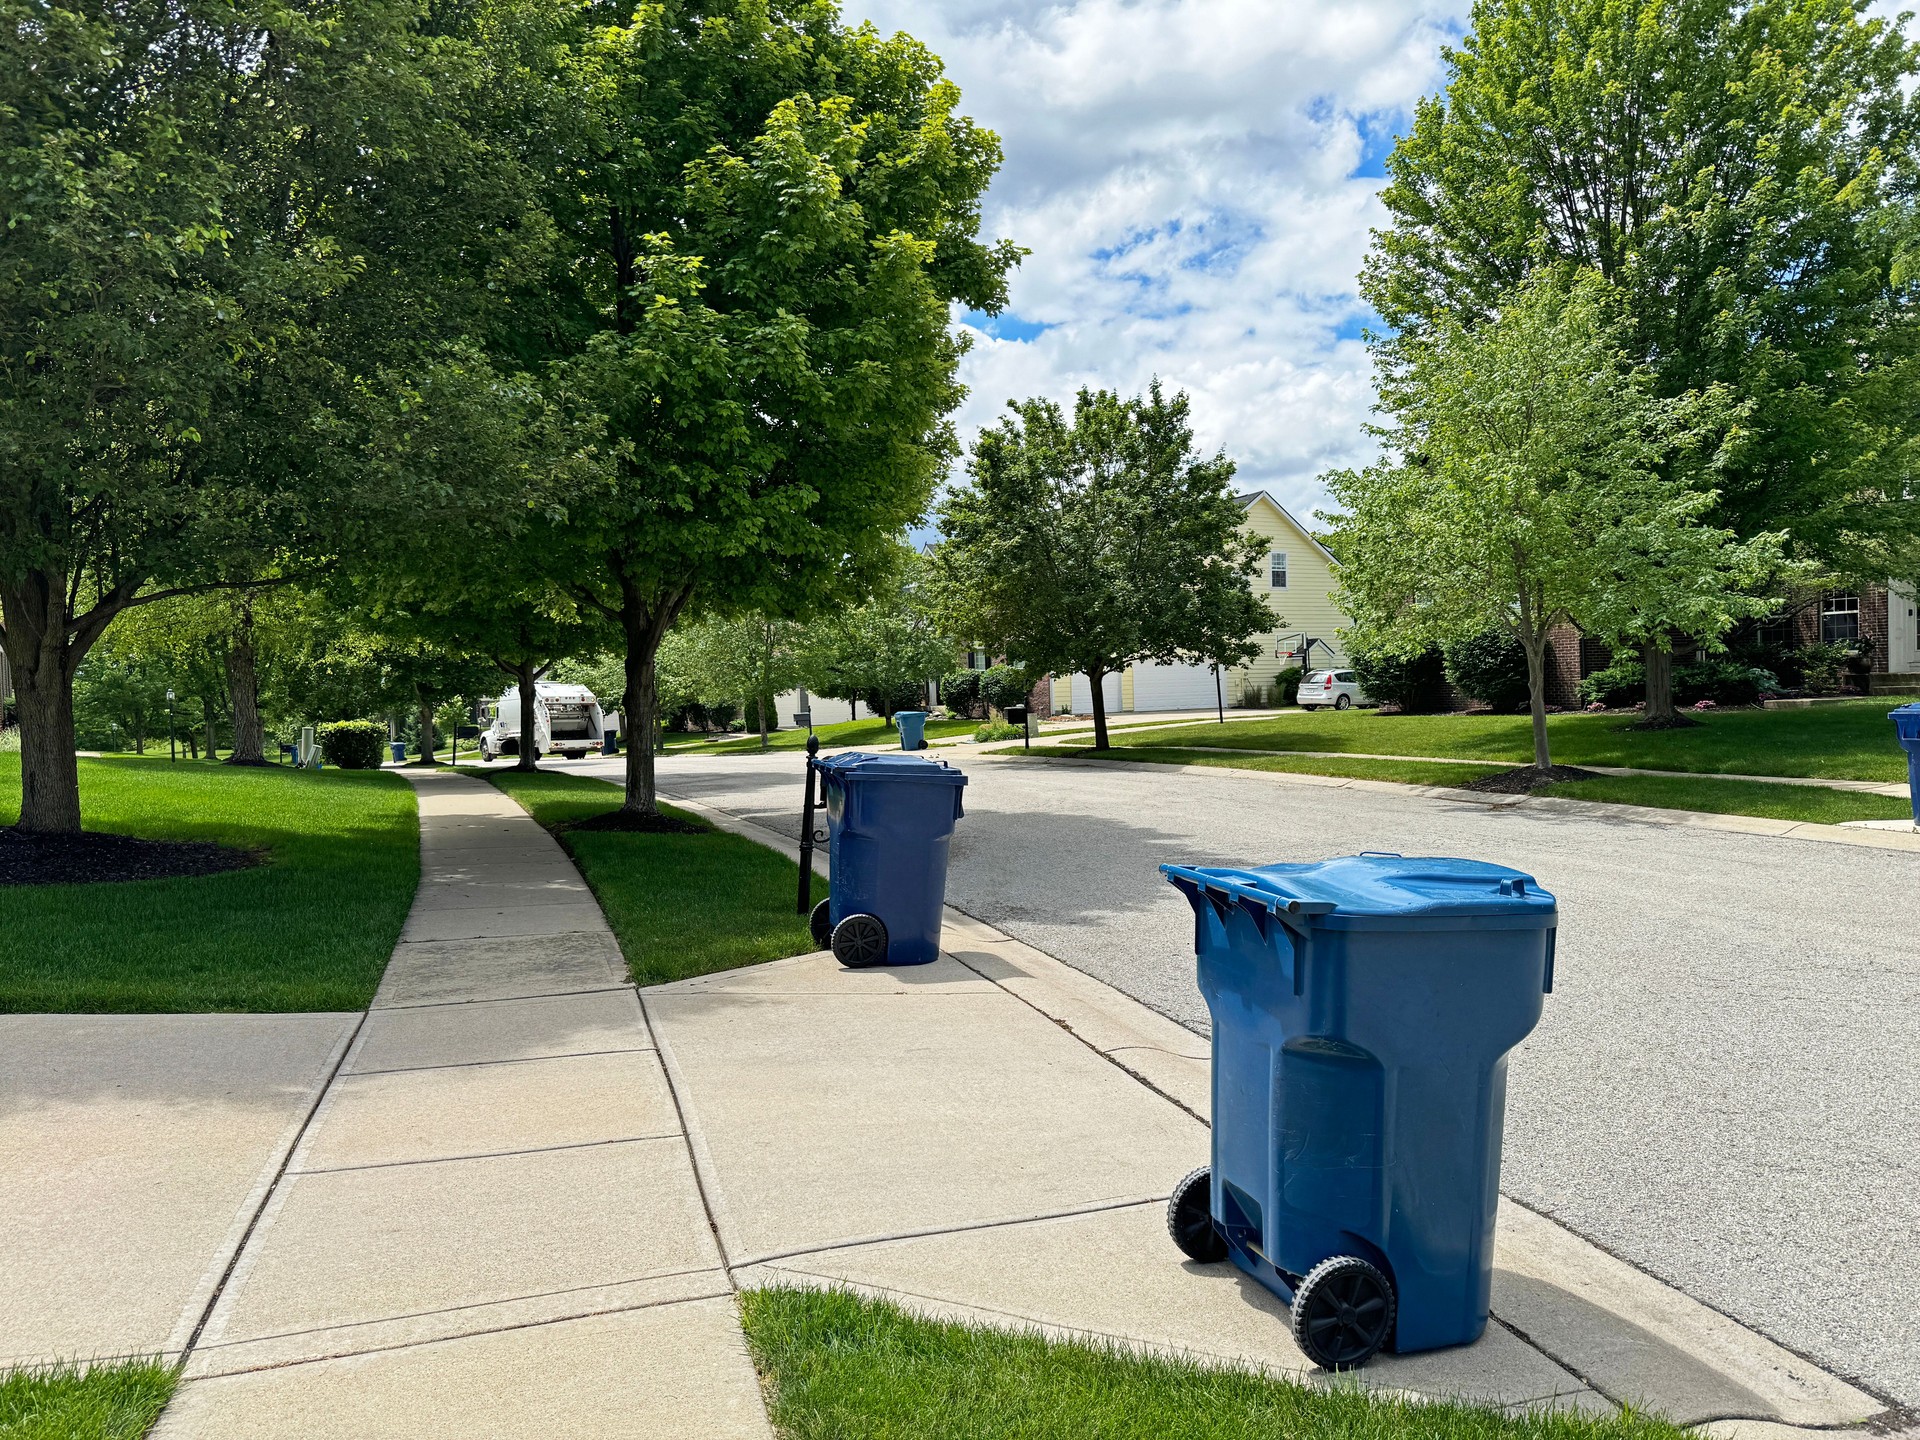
(1814, 803)
(873, 734)
(1404, 772)
(1830, 742)
(842, 1368)
(680, 905)
(107, 1402)
(311, 929)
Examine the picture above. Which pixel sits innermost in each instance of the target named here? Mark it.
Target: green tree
(1727, 166)
(882, 652)
(743, 659)
(1524, 487)
(1085, 545)
(764, 218)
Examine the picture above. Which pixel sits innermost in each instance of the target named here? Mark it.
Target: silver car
(1331, 689)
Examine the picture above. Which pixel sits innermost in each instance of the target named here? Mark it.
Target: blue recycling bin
(1906, 725)
(913, 728)
(890, 821)
(1363, 1009)
(399, 748)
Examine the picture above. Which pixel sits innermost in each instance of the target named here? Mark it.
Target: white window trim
(1281, 557)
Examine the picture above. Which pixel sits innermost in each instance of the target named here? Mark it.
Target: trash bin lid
(1357, 892)
(857, 764)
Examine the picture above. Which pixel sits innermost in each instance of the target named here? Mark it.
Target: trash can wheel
(1190, 1218)
(859, 941)
(1343, 1312)
(821, 923)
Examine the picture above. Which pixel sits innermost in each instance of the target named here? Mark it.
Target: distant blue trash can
(1906, 725)
(1363, 1009)
(890, 821)
(399, 751)
(913, 728)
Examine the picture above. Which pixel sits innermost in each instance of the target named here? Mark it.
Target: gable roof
(1247, 503)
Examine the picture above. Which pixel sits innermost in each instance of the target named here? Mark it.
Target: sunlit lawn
(103, 1402)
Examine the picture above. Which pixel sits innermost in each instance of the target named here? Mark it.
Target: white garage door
(1173, 687)
(1082, 702)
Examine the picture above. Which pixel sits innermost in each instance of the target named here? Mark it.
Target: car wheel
(1345, 702)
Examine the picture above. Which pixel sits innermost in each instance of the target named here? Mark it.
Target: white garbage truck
(567, 720)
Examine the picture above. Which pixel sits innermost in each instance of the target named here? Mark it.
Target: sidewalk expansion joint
(503, 999)
(489, 1154)
(272, 1187)
(861, 1242)
(504, 1060)
(694, 1147)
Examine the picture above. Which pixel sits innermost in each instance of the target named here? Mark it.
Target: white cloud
(1190, 176)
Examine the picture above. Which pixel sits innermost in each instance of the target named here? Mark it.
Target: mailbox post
(1017, 715)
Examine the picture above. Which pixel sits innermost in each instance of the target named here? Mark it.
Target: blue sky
(1196, 180)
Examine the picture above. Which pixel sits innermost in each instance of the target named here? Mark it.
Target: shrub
(353, 744)
(960, 691)
(1721, 681)
(999, 730)
(1415, 683)
(1622, 683)
(1005, 685)
(901, 695)
(722, 714)
(1286, 686)
(1490, 667)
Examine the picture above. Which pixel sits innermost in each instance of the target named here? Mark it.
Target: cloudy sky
(1196, 180)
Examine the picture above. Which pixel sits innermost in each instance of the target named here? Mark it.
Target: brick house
(1885, 617)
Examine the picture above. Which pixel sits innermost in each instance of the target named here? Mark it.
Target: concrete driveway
(1726, 1086)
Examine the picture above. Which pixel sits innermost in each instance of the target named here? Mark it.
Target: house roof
(1247, 502)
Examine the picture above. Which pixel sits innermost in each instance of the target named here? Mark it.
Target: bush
(960, 691)
(999, 730)
(888, 700)
(1490, 667)
(1622, 683)
(1721, 681)
(1005, 685)
(722, 714)
(1253, 696)
(1415, 683)
(1286, 686)
(353, 744)
(1824, 669)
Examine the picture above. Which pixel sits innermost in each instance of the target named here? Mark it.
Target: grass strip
(873, 734)
(680, 905)
(312, 929)
(1851, 741)
(840, 1367)
(1816, 804)
(105, 1402)
(1403, 772)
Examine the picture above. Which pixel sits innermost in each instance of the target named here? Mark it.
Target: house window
(1839, 618)
(1277, 569)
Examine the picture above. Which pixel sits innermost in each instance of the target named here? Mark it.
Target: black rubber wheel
(1343, 1312)
(821, 923)
(859, 941)
(1345, 702)
(1190, 1218)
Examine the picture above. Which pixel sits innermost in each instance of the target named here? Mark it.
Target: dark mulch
(1526, 779)
(89, 858)
(631, 822)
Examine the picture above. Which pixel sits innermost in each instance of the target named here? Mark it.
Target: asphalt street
(1725, 1088)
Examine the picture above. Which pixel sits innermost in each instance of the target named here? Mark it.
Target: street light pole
(173, 748)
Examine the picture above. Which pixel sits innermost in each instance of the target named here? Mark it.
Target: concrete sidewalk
(992, 1138)
(491, 1227)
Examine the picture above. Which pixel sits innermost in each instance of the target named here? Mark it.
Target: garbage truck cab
(567, 720)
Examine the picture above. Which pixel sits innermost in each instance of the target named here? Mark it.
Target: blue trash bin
(913, 728)
(1362, 1012)
(1906, 725)
(399, 751)
(890, 820)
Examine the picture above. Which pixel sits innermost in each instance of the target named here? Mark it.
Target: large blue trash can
(913, 728)
(890, 822)
(1906, 725)
(1363, 1009)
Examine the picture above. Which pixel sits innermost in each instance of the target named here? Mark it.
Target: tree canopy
(1084, 544)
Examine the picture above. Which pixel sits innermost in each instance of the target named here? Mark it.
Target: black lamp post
(173, 749)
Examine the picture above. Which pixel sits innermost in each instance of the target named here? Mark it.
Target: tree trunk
(1094, 677)
(529, 749)
(761, 702)
(243, 684)
(1657, 660)
(1536, 648)
(207, 720)
(49, 771)
(640, 705)
(426, 728)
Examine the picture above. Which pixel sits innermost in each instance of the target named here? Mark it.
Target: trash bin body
(890, 823)
(913, 728)
(1363, 1009)
(1906, 725)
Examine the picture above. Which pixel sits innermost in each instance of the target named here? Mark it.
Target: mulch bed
(1526, 779)
(629, 822)
(90, 858)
